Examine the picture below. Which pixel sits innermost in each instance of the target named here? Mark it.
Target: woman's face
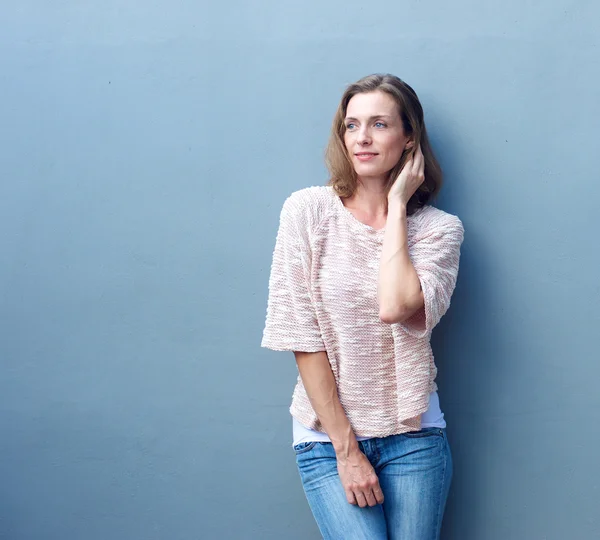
(374, 135)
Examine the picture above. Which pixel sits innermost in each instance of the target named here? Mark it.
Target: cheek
(398, 150)
(348, 140)
(394, 149)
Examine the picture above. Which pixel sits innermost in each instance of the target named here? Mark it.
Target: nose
(364, 137)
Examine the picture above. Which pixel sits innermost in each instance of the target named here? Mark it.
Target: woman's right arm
(356, 473)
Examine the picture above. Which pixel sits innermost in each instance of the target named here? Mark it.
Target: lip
(365, 156)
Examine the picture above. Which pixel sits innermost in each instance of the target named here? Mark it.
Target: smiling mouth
(365, 156)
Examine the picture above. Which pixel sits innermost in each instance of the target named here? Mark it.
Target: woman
(363, 269)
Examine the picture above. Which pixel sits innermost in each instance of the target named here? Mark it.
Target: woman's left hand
(410, 178)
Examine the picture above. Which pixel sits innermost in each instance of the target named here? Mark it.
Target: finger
(417, 161)
(360, 499)
(350, 497)
(422, 160)
(370, 497)
(377, 491)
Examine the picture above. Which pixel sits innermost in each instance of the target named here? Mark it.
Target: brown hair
(343, 177)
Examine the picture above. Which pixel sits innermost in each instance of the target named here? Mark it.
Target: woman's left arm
(399, 292)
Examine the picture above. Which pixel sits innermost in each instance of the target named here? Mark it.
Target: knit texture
(323, 297)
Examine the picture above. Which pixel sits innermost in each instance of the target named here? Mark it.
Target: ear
(409, 144)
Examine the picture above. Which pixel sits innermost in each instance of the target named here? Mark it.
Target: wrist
(345, 446)
(397, 207)
(345, 452)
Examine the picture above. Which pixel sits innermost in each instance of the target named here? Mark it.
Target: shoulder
(309, 206)
(431, 220)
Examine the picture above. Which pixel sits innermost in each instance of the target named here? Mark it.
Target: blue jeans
(414, 471)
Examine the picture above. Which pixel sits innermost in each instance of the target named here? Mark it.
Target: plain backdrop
(146, 149)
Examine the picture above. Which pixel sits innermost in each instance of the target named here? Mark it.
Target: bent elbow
(400, 310)
(393, 316)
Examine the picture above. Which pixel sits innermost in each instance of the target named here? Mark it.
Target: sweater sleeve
(291, 322)
(435, 256)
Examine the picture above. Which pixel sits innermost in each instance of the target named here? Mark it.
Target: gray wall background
(145, 151)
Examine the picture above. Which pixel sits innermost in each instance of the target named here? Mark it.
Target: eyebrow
(371, 118)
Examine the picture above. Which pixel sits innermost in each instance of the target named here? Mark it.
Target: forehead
(372, 104)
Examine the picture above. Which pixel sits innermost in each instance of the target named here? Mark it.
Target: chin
(366, 170)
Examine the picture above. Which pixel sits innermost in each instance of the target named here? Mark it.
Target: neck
(370, 197)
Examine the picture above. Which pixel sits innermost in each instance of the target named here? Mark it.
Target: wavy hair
(343, 177)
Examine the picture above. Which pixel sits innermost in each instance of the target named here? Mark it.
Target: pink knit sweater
(323, 297)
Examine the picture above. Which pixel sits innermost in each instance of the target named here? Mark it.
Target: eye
(380, 124)
(350, 125)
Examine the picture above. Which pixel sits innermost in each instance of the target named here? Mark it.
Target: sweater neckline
(352, 219)
(356, 223)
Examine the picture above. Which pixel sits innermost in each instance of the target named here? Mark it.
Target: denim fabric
(414, 471)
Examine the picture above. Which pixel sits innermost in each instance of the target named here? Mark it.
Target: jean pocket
(425, 432)
(302, 447)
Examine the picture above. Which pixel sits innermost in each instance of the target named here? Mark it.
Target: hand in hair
(409, 179)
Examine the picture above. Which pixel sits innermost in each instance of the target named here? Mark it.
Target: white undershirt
(432, 417)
